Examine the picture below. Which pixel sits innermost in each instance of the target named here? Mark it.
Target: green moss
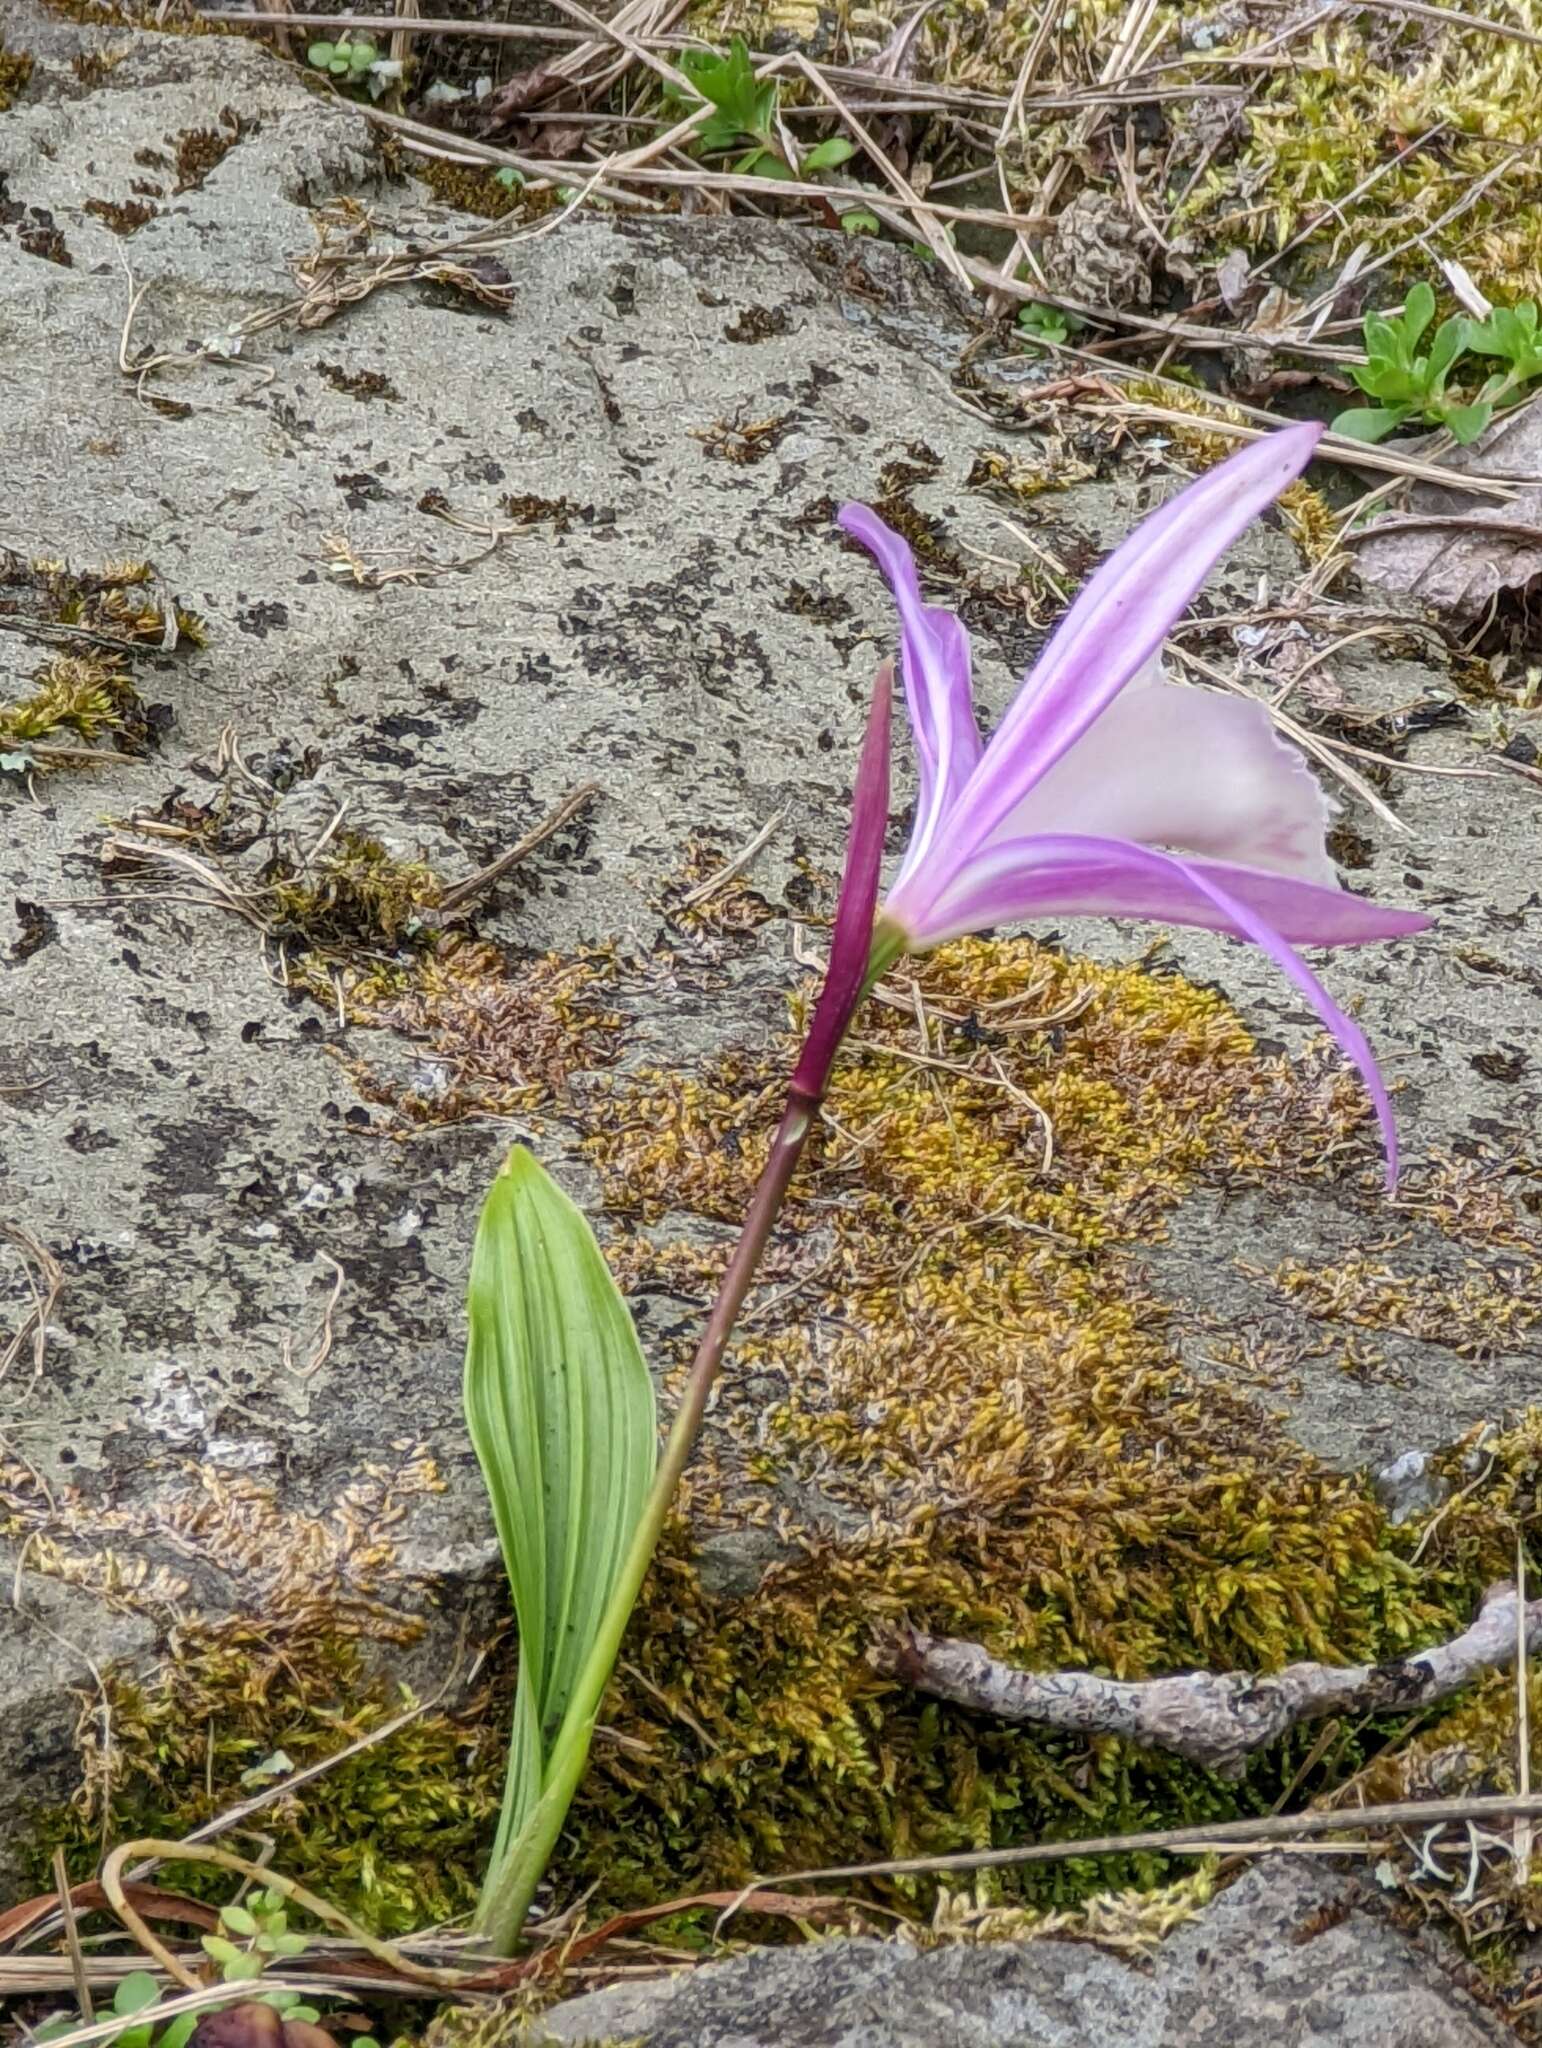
(85, 690)
(88, 695)
(356, 893)
(393, 1834)
(961, 1407)
(955, 1401)
(477, 189)
(1318, 130)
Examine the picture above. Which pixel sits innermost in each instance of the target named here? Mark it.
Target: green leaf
(561, 1414)
(763, 163)
(856, 220)
(1448, 344)
(220, 1949)
(1509, 331)
(242, 1969)
(289, 1944)
(745, 106)
(321, 55)
(137, 1990)
(1384, 379)
(1418, 312)
(179, 2031)
(1467, 422)
(826, 155)
(1370, 422)
(61, 2023)
(236, 1920)
(1384, 338)
(361, 55)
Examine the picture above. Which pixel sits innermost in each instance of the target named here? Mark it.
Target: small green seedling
(744, 111)
(1039, 324)
(1411, 385)
(343, 59)
(744, 108)
(251, 1937)
(134, 2002)
(857, 220)
(353, 63)
(1510, 333)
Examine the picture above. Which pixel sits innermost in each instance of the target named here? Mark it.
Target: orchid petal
(936, 671)
(1067, 875)
(852, 939)
(1122, 617)
(1170, 766)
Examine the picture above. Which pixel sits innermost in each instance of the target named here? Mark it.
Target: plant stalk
(860, 953)
(510, 1889)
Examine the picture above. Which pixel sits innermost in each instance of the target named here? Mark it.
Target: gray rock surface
(1292, 1956)
(695, 640)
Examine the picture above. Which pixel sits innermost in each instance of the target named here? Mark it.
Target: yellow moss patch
(1309, 519)
(734, 906)
(1317, 130)
(15, 70)
(1475, 1317)
(1130, 1922)
(955, 1401)
(393, 1834)
(510, 1034)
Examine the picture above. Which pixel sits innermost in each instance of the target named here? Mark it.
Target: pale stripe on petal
(1183, 768)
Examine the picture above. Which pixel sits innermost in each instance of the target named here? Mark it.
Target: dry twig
(484, 879)
(1217, 1719)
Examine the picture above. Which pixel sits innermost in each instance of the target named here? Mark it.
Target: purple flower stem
(858, 957)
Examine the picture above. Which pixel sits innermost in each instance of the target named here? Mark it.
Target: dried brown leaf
(1454, 551)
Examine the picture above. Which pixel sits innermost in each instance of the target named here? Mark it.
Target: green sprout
(353, 63)
(744, 109)
(262, 1925)
(1042, 325)
(744, 106)
(1411, 385)
(1510, 333)
(250, 1937)
(134, 2001)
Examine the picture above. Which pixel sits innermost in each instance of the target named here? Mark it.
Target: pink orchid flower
(1109, 792)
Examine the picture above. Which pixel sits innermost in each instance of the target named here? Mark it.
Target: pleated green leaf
(561, 1413)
